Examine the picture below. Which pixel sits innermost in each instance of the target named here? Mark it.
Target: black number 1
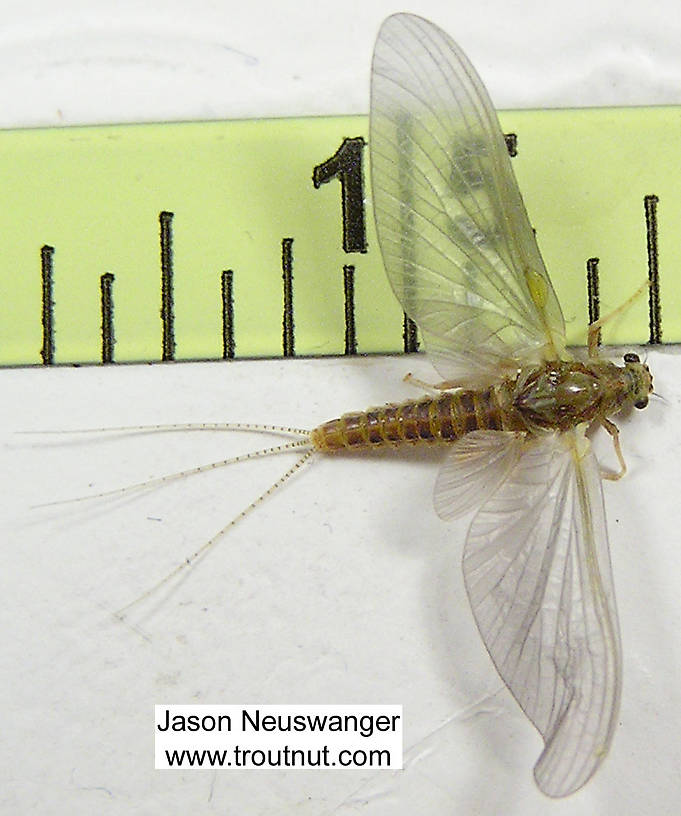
(346, 165)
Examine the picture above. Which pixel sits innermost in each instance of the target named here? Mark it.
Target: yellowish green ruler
(255, 238)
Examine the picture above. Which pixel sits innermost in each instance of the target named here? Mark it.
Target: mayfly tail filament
(204, 548)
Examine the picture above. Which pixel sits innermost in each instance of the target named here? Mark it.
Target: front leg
(593, 337)
(447, 385)
(595, 327)
(614, 432)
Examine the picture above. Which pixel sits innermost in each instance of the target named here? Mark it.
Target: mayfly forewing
(537, 572)
(455, 237)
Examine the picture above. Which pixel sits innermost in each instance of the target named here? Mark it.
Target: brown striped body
(557, 395)
(432, 420)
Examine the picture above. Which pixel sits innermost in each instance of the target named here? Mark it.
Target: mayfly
(463, 261)
(514, 406)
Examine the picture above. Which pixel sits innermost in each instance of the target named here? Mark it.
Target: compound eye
(632, 358)
(641, 403)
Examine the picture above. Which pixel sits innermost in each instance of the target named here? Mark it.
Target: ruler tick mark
(592, 292)
(47, 269)
(167, 293)
(227, 288)
(511, 140)
(654, 305)
(349, 290)
(287, 270)
(108, 338)
(409, 335)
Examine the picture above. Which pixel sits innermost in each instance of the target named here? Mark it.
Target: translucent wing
(474, 468)
(456, 241)
(537, 571)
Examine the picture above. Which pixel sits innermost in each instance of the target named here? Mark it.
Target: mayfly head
(640, 378)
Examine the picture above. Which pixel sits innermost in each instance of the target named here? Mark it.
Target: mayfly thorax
(513, 407)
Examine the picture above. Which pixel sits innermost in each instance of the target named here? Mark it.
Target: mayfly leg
(614, 432)
(593, 336)
(596, 326)
(435, 388)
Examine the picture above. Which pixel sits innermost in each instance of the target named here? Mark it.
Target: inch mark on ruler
(346, 165)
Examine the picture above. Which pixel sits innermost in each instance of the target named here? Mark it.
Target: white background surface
(345, 587)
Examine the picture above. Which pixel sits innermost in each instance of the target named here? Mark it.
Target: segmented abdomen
(428, 420)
